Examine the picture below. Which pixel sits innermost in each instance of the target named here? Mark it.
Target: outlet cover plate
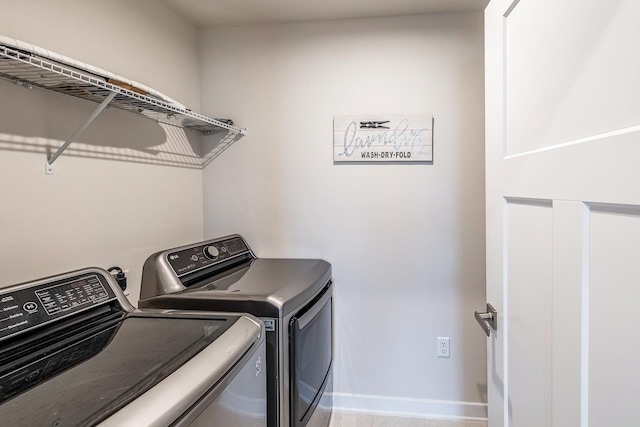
(443, 347)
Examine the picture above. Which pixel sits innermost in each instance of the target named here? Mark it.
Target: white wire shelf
(30, 70)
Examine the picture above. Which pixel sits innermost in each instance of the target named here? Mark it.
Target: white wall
(96, 211)
(406, 241)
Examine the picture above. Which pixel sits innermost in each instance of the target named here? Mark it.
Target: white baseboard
(409, 407)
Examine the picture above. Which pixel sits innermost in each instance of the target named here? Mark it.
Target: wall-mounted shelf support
(76, 134)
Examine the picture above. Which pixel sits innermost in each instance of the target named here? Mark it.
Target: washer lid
(265, 288)
(86, 377)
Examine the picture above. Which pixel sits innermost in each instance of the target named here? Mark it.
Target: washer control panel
(26, 308)
(204, 255)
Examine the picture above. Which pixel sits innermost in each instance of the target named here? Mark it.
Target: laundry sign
(379, 138)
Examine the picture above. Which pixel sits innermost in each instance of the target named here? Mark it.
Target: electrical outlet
(443, 347)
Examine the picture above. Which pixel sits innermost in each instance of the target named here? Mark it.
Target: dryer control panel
(27, 307)
(192, 259)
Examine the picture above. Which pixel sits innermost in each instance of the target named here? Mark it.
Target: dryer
(293, 297)
(74, 352)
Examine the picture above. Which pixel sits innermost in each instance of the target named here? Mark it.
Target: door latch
(488, 320)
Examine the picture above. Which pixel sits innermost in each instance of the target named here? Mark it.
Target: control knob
(211, 252)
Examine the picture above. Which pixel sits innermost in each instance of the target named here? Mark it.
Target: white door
(563, 212)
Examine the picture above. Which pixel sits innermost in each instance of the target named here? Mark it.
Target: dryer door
(311, 348)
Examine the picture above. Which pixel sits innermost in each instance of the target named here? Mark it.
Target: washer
(74, 352)
(293, 297)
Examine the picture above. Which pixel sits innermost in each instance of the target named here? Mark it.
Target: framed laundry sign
(383, 138)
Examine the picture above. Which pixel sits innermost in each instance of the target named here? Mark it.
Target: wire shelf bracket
(49, 164)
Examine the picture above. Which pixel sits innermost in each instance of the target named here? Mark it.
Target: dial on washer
(211, 252)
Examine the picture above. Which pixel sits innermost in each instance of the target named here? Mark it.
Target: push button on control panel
(30, 307)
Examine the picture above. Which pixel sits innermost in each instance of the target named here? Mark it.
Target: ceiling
(242, 12)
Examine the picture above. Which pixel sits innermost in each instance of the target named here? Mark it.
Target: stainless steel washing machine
(74, 352)
(293, 297)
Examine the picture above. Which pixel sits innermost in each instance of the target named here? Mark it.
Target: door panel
(570, 308)
(614, 348)
(563, 126)
(561, 84)
(529, 314)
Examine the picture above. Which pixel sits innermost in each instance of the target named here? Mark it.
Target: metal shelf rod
(82, 127)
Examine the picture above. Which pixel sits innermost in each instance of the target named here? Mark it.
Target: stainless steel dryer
(74, 352)
(293, 297)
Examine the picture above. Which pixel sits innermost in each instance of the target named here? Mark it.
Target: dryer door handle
(313, 311)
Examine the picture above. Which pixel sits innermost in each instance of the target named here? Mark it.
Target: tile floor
(345, 419)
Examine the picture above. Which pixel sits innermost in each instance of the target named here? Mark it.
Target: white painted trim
(409, 407)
